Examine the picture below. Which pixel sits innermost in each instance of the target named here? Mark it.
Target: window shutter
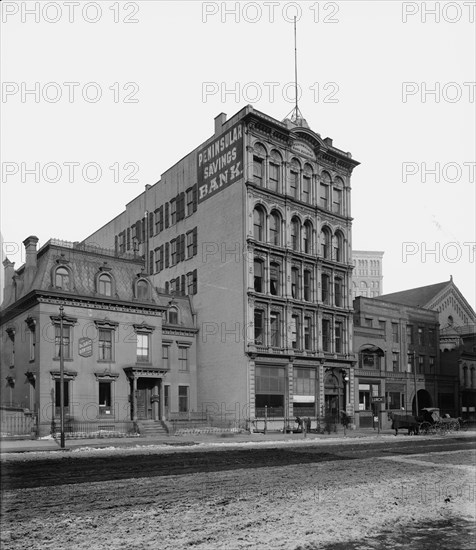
(161, 257)
(166, 215)
(166, 287)
(151, 224)
(179, 249)
(166, 254)
(116, 244)
(195, 281)
(144, 222)
(151, 262)
(181, 207)
(161, 219)
(195, 197)
(128, 244)
(195, 241)
(182, 289)
(139, 231)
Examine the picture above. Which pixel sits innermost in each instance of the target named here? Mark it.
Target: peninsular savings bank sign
(220, 163)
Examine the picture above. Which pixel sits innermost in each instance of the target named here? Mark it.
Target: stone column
(134, 398)
(155, 402)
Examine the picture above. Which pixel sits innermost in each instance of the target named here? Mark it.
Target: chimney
(8, 280)
(30, 261)
(30, 251)
(328, 141)
(219, 121)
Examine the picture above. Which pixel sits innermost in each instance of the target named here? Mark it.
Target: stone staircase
(152, 428)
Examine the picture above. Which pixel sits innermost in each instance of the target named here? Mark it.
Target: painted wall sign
(220, 163)
(85, 347)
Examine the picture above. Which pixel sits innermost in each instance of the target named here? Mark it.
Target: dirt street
(390, 501)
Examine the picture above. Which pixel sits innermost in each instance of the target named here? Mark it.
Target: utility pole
(415, 381)
(61, 379)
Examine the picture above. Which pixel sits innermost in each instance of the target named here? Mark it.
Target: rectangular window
(275, 323)
(105, 345)
(259, 327)
(431, 337)
(339, 337)
(274, 279)
(421, 336)
(190, 284)
(273, 177)
(338, 292)
(66, 341)
(166, 357)
(395, 333)
(307, 285)
(258, 171)
(173, 212)
(295, 282)
(325, 289)
(57, 394)
(409, 362)
(183, 398)
(183, 358)
(326, 335)
(128, 238)
(173, 252)
(143, 348)
(189, 244)
(307, 333)
(337, 201)
(270, 389)
(258, 276)
(421, 364)
(157, 260)
(396, 362)
(190, 201)
(366, 392)
(295, 332)
(431, 364)
(105, 398)
(410, 334)
(394, 400)
(304, 381)
(382, 325)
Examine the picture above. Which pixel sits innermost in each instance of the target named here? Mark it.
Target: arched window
(275, 162)
(307, 237)
(258, 223)
(105, 284)
(296, 234)
(337, 196)
(173, 316)
(275, 229)
(294, 170)
(326, 242)
(259, 156)
(339, 247)
(143, 290)
(306, 192)
(62, 278)
(324, 187)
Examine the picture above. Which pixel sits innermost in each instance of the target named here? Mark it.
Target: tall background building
(367, 278)
(255, 226)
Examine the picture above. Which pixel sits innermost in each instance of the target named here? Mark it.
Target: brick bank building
(254, 225)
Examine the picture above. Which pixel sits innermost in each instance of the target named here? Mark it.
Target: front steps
(152, 428)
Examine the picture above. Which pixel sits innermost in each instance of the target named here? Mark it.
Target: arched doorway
(424, 401)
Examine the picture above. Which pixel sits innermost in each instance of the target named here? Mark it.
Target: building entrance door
(144, 401)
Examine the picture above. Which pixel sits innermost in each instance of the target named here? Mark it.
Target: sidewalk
(32, 445)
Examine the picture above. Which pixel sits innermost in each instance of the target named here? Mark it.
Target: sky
(100, 98)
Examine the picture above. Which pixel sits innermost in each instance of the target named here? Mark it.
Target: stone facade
(367, 278)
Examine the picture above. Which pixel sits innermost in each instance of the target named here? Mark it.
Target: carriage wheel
(426, 428)
(441, 428)
(454, 427)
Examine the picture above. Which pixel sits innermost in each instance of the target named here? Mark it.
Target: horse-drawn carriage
(433, 423)
(429, 422)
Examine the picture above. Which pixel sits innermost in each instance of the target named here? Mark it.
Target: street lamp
(61, 379)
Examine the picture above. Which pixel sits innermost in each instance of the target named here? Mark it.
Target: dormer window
(143, 290)
(105, 285)
(62, 278)
(173, 316)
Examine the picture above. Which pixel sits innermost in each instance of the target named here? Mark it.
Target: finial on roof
(451, 278)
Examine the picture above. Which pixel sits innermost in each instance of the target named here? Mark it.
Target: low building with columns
(254, 225)
(129, 352)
